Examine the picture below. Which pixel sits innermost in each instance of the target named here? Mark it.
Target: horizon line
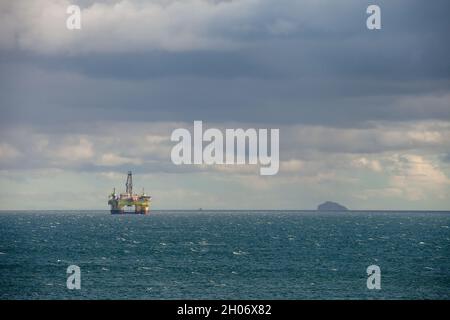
(239, 210)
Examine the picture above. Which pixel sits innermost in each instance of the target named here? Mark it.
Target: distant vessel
(129, 203)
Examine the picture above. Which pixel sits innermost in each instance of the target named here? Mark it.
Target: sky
(364, 115)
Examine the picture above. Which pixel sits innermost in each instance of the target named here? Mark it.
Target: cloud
(81, 150)
(282, 27)
(120, 26)
(307, 62)
(412, 177)
(70, 97)
(111, 159)
(417, 177)
(147, 145)
(291, 166)
(8, 152)
(363, 162)
(392, 162)
(374, 138)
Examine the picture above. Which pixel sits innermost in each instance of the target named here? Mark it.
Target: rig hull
(129, 212)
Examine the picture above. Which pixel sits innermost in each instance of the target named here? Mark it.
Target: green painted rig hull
(121, 206)
(129, 212)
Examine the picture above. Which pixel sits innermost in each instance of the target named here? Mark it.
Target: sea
(225, 255)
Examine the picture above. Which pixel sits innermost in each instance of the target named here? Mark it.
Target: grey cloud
(147, 147)
(34, 96)
(326, 68)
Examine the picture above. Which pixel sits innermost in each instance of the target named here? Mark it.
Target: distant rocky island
(331, 206)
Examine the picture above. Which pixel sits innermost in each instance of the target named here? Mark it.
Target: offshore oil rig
(121, 204)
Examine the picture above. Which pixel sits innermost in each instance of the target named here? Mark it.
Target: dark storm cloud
(327, 101)
(293, 63)
(150, 65)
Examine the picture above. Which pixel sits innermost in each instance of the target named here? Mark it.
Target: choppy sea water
(224, 255)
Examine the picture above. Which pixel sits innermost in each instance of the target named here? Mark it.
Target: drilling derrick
(121, 204)
(129, 184)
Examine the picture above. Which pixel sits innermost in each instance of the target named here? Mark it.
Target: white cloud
(81, 150)
(310, 172)
(111, 159)
(410, 177)
(419, 178)
(374, 138)
(120, 26)
(172, 25)
(363, 162)
(291, 166)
